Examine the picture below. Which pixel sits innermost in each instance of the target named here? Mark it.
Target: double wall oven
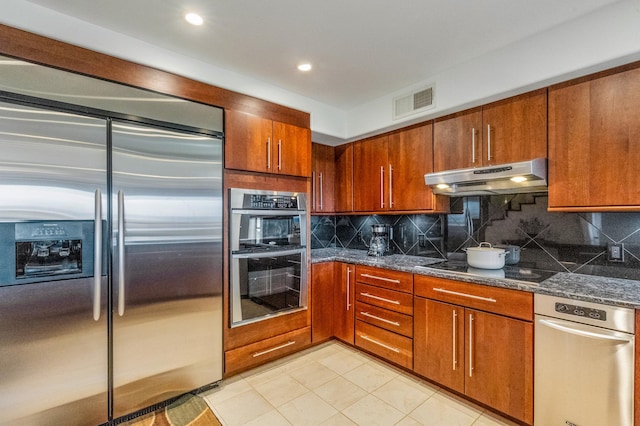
(268, 262)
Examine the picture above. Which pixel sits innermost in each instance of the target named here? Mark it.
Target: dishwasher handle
(589, 334)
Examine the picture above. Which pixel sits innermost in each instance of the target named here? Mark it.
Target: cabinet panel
(248, 140)
(410, 157)
(385, 318)
(390, 346)
(291, 147)
(371, 175)
(439, 342)
(594, 144)
(500, 364)
(322, 175)
(344, 302)
(343, 190)
(323, 288)
(395, 280)
(385, 298)
(515, 129)
(457, 141)
(266, 350)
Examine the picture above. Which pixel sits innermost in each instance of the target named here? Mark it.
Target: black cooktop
(513, 272)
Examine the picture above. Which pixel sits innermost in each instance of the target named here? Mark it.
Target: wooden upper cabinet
(370, 172)
(343, 184)
(410, 157)
(389, 172)
(515, 129)
(258, 144)
(322, 175)
(506, 131)
(247, 141)
(594, 144)
(291, 150)
(457, 141)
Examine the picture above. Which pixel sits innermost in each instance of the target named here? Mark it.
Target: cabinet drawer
(384, 298)
(384, 318)
(390, 346)
(394, 280)
(258, 353)
(512, 303)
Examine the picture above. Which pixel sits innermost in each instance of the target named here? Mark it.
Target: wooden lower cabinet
(323, 287)
(386, 344)
(484, 355)
(344, 302)
(254, 354)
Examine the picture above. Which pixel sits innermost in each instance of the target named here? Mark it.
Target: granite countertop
(589, 288)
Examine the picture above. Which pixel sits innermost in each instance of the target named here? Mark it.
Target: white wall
(602, 39)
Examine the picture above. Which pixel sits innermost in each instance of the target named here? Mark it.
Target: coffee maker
(380, 237)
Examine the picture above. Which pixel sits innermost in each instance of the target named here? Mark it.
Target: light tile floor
(334, 384)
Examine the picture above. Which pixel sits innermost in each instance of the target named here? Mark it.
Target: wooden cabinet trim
(49, 52)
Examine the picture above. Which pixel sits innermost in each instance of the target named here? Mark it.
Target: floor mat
(188, 410)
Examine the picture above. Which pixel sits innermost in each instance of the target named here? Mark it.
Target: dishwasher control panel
(581, 311)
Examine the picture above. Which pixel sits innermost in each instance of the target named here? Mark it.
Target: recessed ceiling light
(304, 67)
(193, 18)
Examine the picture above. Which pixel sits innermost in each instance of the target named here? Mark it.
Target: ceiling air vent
(413, 102)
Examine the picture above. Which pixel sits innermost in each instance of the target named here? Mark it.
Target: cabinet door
(291, 150)
(499, 363)
(515, 129)
(248, 142)
(322, 175)
(457, 141)
(344, 302)
(594, 143)
(438, 340)
(410, 157)
(322, 290)
(370, 171)
(343, 185)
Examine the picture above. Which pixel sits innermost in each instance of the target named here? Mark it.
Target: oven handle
(97, 255)
(258, 255)
(121, 277)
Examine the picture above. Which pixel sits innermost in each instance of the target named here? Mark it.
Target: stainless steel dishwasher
(584, 363)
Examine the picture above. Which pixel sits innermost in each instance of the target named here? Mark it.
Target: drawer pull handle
(367, 314)
(381, 278)
(470, 296)
(369, 339)
(289, 343)
(395, 302)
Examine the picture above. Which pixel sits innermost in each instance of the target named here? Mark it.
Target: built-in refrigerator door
(167, 252)
(53, 324)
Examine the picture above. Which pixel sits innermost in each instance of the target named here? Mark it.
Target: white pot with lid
(486, 257)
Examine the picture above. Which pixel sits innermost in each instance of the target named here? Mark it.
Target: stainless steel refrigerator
(110, 263)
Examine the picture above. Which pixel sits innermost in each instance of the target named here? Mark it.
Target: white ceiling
(360, 49)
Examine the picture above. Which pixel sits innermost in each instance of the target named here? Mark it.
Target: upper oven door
(266, 220)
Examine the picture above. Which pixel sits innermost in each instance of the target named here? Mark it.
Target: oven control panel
(581, 311)
(264, 201)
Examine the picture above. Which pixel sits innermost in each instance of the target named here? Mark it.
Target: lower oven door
(265, 284)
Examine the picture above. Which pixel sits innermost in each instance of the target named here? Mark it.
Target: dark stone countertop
(589, 288)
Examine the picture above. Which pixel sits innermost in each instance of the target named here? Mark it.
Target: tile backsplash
(567, 242)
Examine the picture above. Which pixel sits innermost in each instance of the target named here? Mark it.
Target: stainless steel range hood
(525, 176)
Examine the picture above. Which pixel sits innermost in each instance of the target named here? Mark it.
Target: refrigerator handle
(97, 255)
(121, 253)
